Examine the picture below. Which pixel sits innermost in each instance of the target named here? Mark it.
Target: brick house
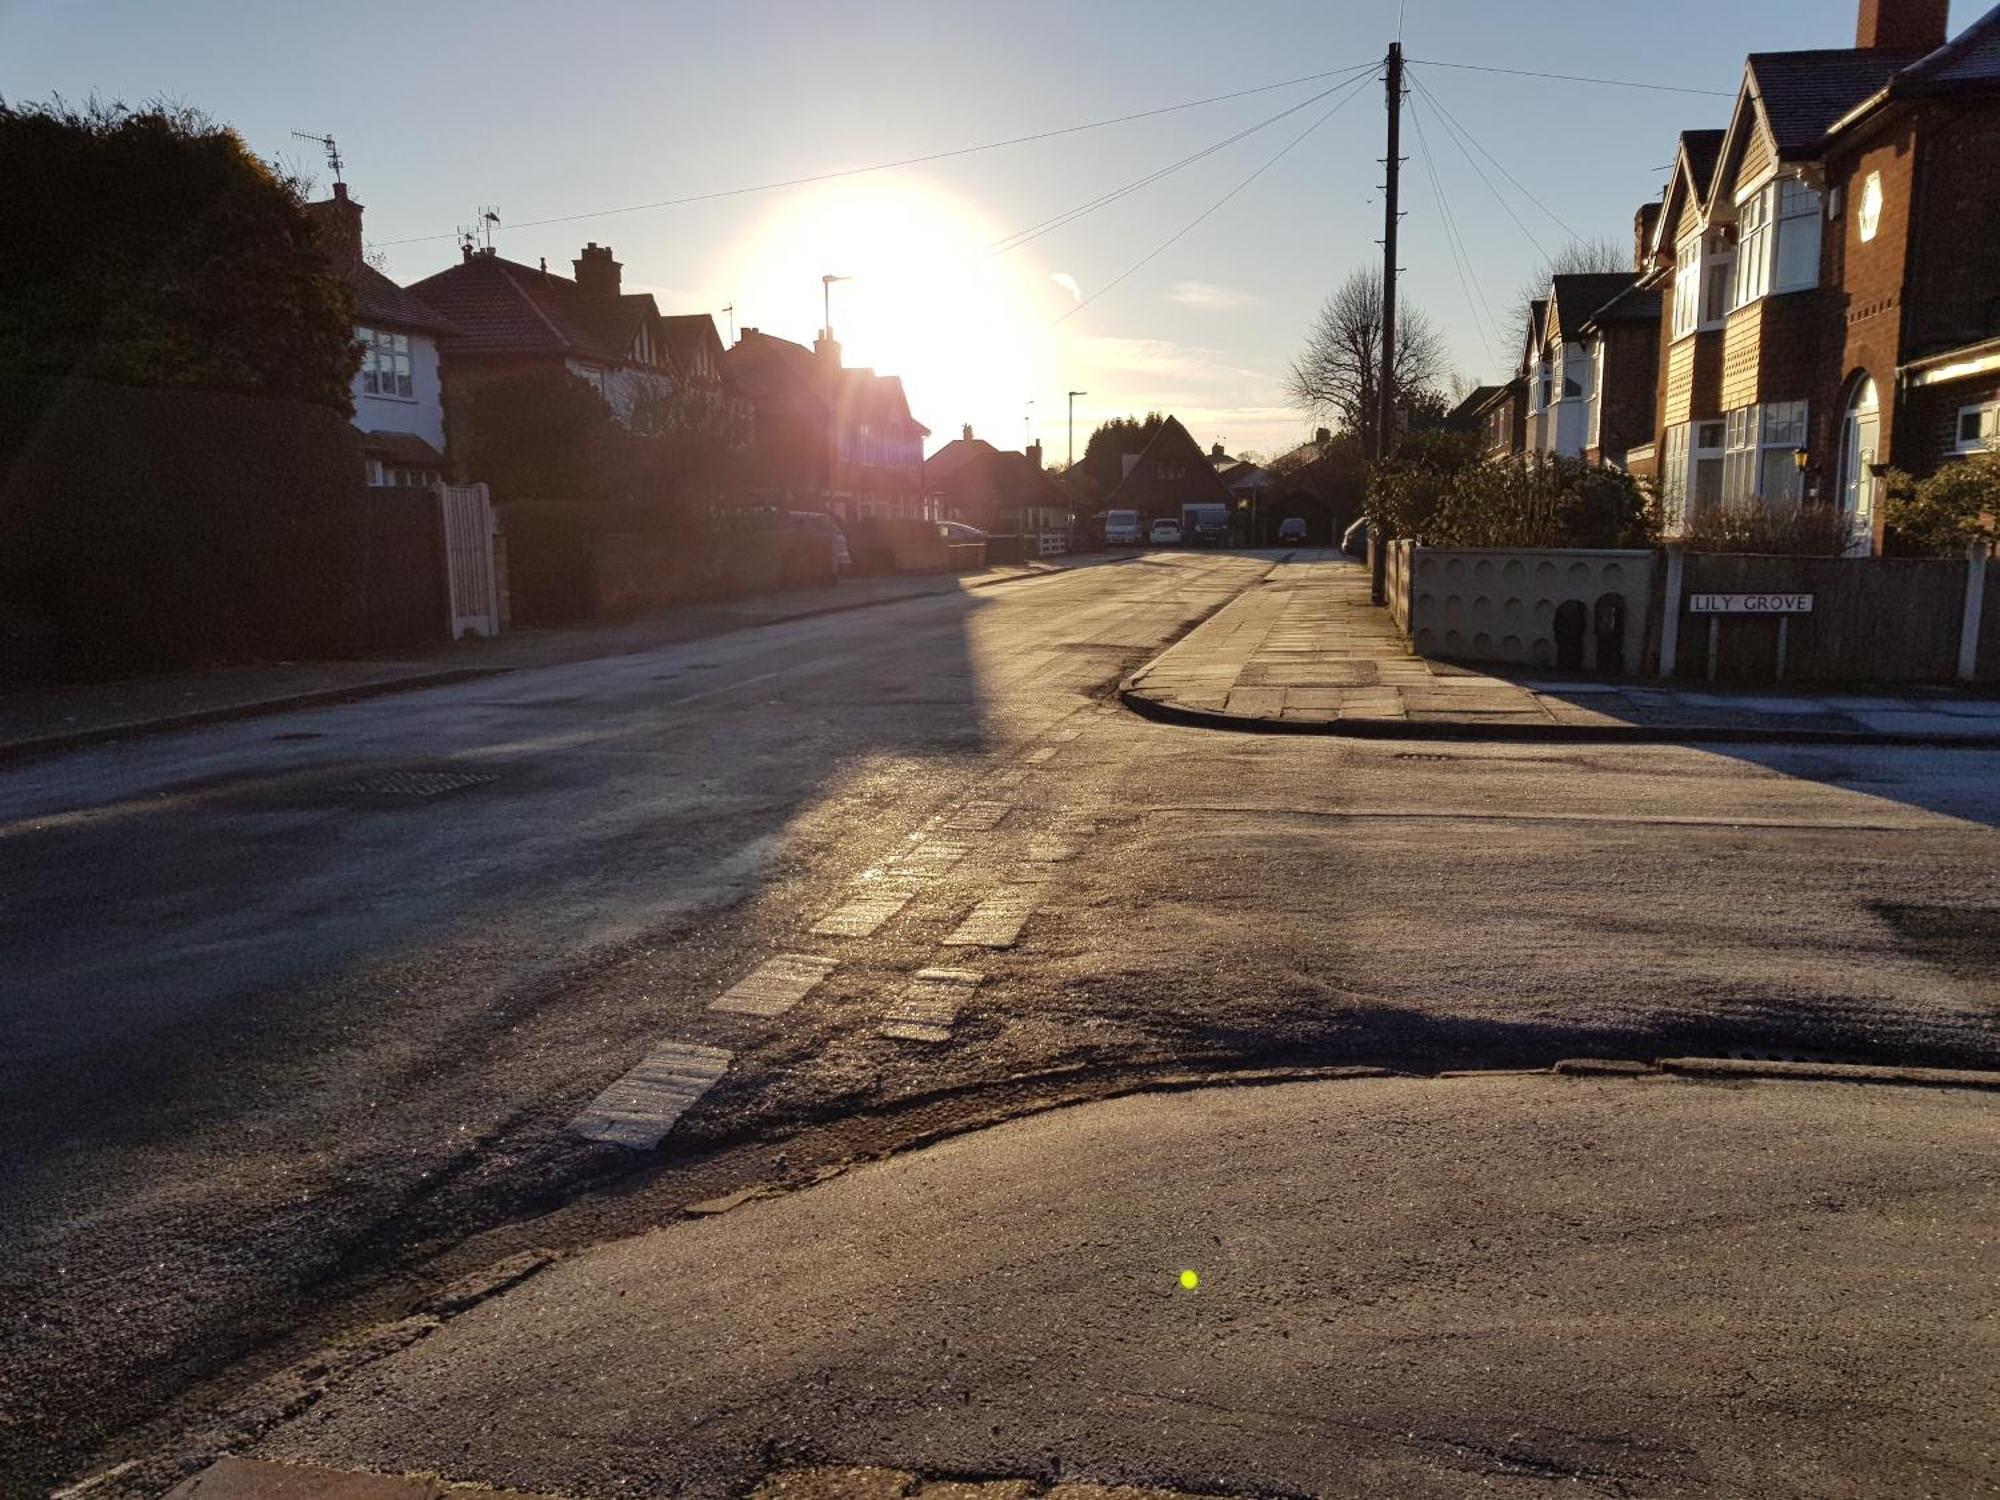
(399, 389)
(1829, 261)
(1501, 419)
(1171, 471)
(844, 437)
(1590, 366)
(1005, 493)
(512, 318)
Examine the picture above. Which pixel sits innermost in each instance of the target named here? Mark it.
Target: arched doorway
(1860, 444)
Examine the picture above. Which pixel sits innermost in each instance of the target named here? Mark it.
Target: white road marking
(864, 915)
(1042, 756)
(928, 1008)
(997, 921)
(639, 1109)
(776, 986)
(979, 817)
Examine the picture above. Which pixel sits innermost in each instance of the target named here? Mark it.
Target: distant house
(1006, 493)
(510, 318)
(1501, 419)
(1170, 472)
(1464, 417)
(843, 439)
(399, 389)
(1247, 482)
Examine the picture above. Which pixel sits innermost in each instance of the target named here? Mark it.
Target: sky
(547, 111)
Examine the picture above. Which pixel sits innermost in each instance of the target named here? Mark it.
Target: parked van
(1122, 529)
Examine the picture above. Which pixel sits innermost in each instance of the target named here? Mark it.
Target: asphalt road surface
(298, 1010)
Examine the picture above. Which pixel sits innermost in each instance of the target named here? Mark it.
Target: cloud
(1068, 283)
(1209, 297)
(1162, 359)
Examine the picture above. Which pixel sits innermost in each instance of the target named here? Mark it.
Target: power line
(1609, 83)
(1036, 231)
(1354, 92)
(1455, 243)
(1452, 121)
(907, 161)
(1505, 207)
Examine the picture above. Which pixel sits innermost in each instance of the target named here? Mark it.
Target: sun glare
(968, 331)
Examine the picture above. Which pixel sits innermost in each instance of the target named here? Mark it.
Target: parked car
(822, 524)
(1121, 528)
(1206, 525)
(1292, 529)
(958, 531)
(1165, 533)
(1354, 541)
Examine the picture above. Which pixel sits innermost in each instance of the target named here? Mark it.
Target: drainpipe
(1975, 600)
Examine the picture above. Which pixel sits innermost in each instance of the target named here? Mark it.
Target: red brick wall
(1954, 277)
(1631, 373)
(1929, 420)
(1770, 350)
(1863, 287)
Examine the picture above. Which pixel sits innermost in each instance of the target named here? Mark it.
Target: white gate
(468, 552)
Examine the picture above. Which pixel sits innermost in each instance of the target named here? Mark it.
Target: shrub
(1778, 530)
(1405, 491)
(1948, 511)
(1543, 501)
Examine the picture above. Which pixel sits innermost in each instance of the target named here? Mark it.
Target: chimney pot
(337, 226)
(1903, 25)
(966, 432)
(1643, 224)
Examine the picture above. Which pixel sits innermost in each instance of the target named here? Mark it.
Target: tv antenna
(480, 235)
(325, 143)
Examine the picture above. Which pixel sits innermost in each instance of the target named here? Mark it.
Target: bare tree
(1339, 372)
(1577, 258)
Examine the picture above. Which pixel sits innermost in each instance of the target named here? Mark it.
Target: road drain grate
(1413, 755)
(414, 783)
(1792, 1055)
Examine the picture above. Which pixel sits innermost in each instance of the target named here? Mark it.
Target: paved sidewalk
(39, 723)
(1526, 1284)
(1305, 651)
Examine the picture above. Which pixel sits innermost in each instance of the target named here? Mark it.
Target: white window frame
(1777, 240)
(1988, 439)
(1674, 474)
(1594, 431)
(1751, 435)
(1705, 448)
(1687, 286)
(1718, 269)
(386, 370)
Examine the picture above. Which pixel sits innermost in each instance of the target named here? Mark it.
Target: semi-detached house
(1829, 273)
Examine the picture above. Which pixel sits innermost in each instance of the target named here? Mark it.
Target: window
(1979, 428)
(385, 363)
(1687, 287)
(1674, 474)
(1718, 267)
(1869, 220)
(1777, 242)
(1705, 464)
(1759, 455)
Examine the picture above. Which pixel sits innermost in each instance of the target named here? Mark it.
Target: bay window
(1687, 287)
(1777, 241)
(1596, 427)
(1759, 454)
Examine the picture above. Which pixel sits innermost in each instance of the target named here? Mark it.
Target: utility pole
(1072, 429)
(1385, 421)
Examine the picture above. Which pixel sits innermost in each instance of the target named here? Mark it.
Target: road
(303, 1008)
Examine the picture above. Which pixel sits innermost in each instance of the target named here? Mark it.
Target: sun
(966, 329)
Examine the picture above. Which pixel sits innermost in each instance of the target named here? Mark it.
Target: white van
(1122, 529)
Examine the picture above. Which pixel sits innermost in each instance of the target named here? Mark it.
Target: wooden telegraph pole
(1385, 419)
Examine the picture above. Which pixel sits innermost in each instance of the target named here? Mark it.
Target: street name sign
(1750, 604)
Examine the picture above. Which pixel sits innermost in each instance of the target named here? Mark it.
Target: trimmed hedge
(146, 530)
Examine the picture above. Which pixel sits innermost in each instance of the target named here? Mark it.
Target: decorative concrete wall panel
(1500, 604)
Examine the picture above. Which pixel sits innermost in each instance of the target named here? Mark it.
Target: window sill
(400, 400)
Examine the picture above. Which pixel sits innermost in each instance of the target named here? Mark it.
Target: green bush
(1405, 491)
(1950, 510)
(1543, 501)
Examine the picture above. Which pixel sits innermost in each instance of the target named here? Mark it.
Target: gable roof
(378, 301)
(1801, 95)
(1639, 303)
(1000, 476)
(1173, 441)
(779, 375)
(1538, 319)
(1467, 411)
(1695, 159)
(502, 307)
(1573, 299)
(691, 338)
(1973, 56)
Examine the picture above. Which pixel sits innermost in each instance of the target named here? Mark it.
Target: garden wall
(1500, 604)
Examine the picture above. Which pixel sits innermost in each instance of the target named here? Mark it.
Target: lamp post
(1072, 428)
(826, 300)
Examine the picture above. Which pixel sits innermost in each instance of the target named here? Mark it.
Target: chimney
(1323, 436)
(1903, 25)
(1643, 224)
(1035, 452)
(337, 226)
(596, 271)
(827, 347)
(1215, 451)
(965, 432)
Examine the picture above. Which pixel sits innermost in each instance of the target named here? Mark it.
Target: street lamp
(1072, 427)
(826, 300)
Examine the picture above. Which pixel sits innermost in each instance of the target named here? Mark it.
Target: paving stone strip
(927, 1009)
(776, 986)
(979, 817)
(996, 922)
(834, 1482)
(639, 1109)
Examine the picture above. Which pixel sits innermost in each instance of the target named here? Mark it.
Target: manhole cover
(414, 783)
(1408, 755)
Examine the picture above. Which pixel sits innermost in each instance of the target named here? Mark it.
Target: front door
(1860, 439)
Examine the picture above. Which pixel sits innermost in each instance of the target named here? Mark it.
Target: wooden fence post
(1975, 601)
(1670, 622)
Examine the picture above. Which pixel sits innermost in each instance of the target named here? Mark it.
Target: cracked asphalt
(302, 1009)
